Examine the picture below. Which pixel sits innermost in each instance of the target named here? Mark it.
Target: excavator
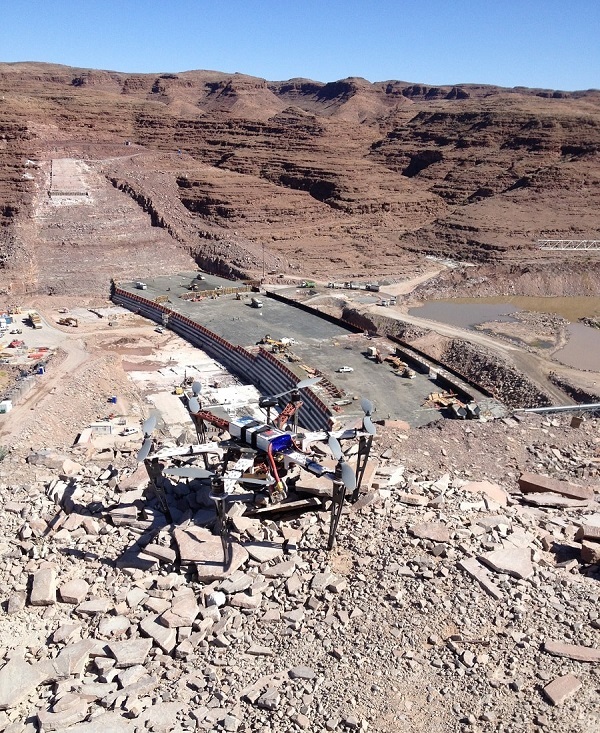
(69, 321)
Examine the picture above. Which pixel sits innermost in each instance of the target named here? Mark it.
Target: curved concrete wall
(263, 369)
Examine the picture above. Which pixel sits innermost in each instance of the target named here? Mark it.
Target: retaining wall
(262, 369)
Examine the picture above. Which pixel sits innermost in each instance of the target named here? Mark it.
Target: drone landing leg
(337, 506)
(364, 450)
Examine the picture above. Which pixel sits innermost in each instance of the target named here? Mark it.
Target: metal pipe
(592, 407)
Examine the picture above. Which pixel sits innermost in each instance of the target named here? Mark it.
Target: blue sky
(536, 43)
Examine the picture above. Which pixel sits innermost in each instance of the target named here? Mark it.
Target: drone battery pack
(259, 435)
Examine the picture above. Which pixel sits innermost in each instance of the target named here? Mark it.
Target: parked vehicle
(345, 369)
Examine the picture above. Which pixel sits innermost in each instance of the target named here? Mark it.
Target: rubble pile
(452, 601)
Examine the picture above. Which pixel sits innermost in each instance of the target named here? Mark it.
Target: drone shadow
(145, 510)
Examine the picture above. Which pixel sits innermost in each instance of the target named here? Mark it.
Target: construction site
(246, 483)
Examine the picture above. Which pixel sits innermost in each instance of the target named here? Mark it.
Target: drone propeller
(301, 385)
(193, 405)
(188, 472)
(335, 448)
(196, 388)
(348, 477)
(149, 425)
(144, 450)
(367, 406)
(368, 425)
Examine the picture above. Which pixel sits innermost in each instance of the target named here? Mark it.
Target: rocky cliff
(333, 179)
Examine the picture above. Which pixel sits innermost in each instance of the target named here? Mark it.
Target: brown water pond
(583, 348)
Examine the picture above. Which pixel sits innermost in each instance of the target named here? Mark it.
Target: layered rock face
(341, 179)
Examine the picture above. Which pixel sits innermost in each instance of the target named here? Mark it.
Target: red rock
(590, 552)
(588, 532)
(435, 531)
(561, 688)
(572, 651)
(533, 483)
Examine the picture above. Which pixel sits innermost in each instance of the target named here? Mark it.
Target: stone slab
(572, 651)
(473, 568)
(131, 652)
(165, 638)
(60, 720)
(561, 688)
(492, 491)
(74, 591)
(43, 589)
(17, 680)
(515, 561)
(534, 482)
(434, 531)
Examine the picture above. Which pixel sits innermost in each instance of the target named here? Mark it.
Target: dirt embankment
(498, 377)
(550, 277)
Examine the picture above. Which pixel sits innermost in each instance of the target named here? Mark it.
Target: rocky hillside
(341, 178)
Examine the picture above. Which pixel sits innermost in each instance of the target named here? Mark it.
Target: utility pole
(263, 260)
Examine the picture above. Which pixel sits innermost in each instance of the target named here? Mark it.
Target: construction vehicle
(141, 286)
(374, 353)
(309, 284)
(256, 303)
(70, 321)
(34, 319)
(396, 362)
(277, 346)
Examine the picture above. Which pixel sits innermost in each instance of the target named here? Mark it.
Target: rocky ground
(454, 600)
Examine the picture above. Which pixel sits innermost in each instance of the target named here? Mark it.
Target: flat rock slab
(164, 637)
(555, 501)
(302, 673)
(17, 680)
(492, 491)
(93, 606)
(43, 589)
(590, 552)
(588, 532)
(74, 591)
(561, 688)
(515, 561)
(107, 723)
(161, 717)
(130, 652)
(60, 720)
(572, 651)
(264, 551)
(183, 611)
(476, 570)
(534, 483)
(434, 531)
(197, 545)
(114, 626)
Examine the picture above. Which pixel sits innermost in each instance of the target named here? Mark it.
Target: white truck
(256, 303)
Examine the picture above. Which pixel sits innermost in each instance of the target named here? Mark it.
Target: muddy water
(583, 349)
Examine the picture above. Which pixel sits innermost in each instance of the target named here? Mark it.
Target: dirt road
(76, 356)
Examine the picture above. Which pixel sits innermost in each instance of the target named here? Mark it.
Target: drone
(257, 464)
